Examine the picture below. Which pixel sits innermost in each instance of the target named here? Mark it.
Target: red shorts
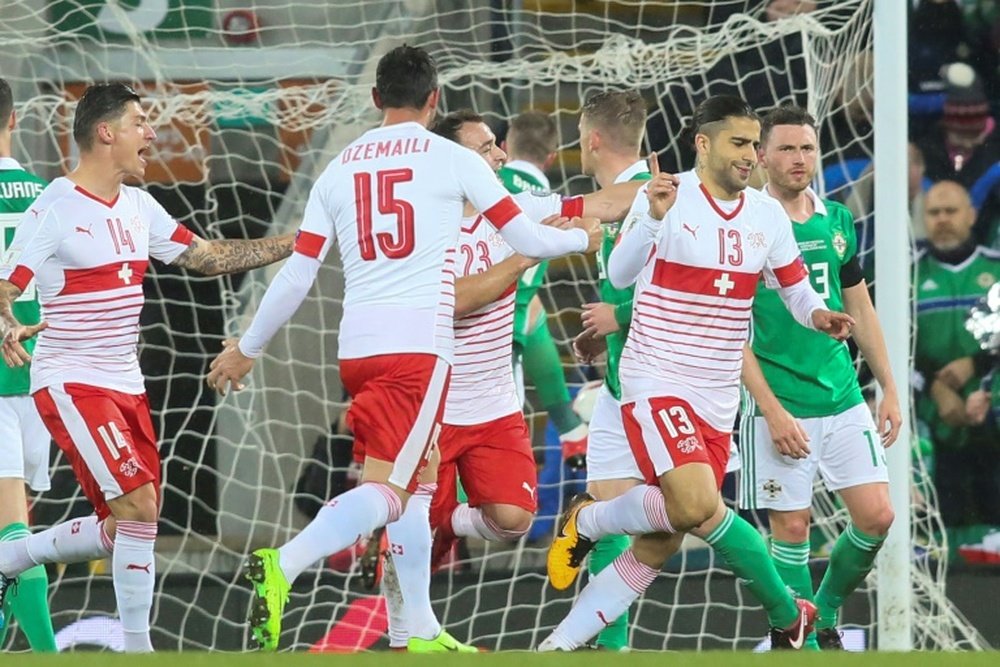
(397, 401)
(107, 436)
(494, 461)
(666, 433)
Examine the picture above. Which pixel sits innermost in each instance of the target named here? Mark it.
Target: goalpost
(245, 127)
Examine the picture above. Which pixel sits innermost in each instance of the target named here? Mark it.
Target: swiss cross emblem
(723, 284)
(757, 240)
(125, 275)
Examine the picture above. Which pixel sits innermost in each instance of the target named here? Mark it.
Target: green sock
(28, 601)
(791, 560)
(615, 636)
(543, 368)
(744, 550)
(851, 561)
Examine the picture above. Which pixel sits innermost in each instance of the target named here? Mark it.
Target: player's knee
(692, 510)
(877, 521)
(508, 521)
(138, 505)
(790, 527)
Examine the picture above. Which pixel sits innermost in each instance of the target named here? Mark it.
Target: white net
(249, 107)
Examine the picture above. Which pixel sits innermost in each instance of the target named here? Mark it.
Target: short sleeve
(34, 242)
(784, 265)
(167, 237)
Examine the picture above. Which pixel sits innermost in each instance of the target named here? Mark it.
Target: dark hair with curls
(788, 114)
(405, 78)
(715, 110)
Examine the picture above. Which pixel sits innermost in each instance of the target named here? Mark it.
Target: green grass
(511, 659)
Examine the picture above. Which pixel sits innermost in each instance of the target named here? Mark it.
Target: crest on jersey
(839, 244)
(985, 280)
(10, 258)
(757, 240)
(688, 444)
(772, 488)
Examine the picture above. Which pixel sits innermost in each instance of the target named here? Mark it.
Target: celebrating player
(24, 443)
(696, 258)
(808, 413)
(86, 242)
(393, 201)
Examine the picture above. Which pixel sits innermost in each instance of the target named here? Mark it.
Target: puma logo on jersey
(928, 284)
(86, 230)
(36, 212)
(692, 230)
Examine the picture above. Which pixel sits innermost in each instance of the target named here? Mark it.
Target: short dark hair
(100, 103)
(620, 114)
(788, 114)
(6, 102)
(533, 135)
(449, 126)
(719, 108)
(405, 78)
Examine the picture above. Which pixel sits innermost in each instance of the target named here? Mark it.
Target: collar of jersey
(638, 167)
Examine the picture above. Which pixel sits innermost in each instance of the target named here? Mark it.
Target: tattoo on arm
(8, 294)
(218, 257)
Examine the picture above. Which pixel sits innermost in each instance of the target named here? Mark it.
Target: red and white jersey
(691, 312)
(88, 257)
(393, 202)
(482, 386)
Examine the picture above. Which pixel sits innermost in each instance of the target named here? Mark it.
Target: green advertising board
(155, 19)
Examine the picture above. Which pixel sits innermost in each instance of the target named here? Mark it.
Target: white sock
(472, 522)
(395, 609)
(69, 542)
(133, 571)
(605, 598)
(638, 511)
(339, 524)
(410, 549)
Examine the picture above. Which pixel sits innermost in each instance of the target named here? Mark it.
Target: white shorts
(609, 455)
(24, 443)
(846, 449)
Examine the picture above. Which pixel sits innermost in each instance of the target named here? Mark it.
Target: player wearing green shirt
(24, 440)
(531, 147)
(803, 409)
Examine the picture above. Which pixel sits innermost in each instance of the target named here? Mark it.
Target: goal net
(249, 105)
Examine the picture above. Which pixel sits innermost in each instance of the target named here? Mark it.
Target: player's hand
(661, 191)
(787, 434)
(836, 325)
(594, 234)
(956, 374)
(889, 419)
(559, 222)
(599, 318)
(229, 368)
(588, 347)
(977, 405)
(14, 354)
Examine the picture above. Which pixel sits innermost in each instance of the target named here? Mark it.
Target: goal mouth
(245, 127)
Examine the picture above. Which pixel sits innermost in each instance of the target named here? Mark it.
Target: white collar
(9, 163)
(818, 205)
(531, 170)
(636, 168)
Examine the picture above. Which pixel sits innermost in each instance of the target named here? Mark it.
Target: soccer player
(86, 243)
(393, 202)
(695, 258)
(24, 442)
(531, 146)
(807, 412)
(612, 124)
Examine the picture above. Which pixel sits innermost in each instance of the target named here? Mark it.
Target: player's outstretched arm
(12, 332)
(474, 292)
(868, 335)
(788, 436)
(612, 203)
(283, 297)
(222, 256)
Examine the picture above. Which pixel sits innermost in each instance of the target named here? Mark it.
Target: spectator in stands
(964, 145)
(861, 198)
(952, 273)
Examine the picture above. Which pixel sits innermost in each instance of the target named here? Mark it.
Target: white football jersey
(691, 312)
(393, 202)
(88, 257)
(482, 378)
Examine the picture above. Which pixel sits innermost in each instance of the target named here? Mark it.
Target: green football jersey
(18, 189)
(809, 372)
(621, 299)
(517, 180)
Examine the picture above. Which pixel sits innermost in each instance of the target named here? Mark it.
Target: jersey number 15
(393, 247)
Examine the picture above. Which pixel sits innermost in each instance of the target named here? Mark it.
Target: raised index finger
(654, 164)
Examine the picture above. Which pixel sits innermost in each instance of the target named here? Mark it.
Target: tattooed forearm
(218, 257)
(8, 294)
